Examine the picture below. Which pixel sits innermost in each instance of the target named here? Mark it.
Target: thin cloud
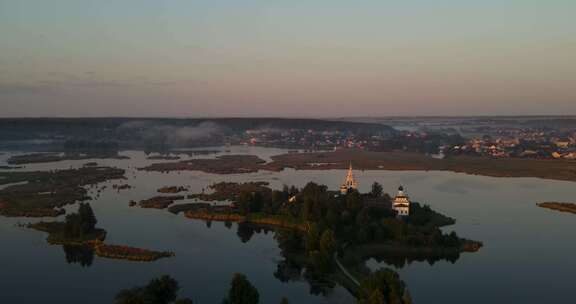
(91, 82)
(19, 89)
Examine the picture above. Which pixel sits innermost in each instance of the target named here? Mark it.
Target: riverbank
(367, 160)
(226, 164)
(35, 158)
(228, 214)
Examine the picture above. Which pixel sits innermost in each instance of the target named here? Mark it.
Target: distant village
(520, 143)
(494, 138)
(504, 142)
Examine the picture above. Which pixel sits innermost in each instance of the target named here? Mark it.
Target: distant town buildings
(519, 143)
(350, 183)
(495, 141)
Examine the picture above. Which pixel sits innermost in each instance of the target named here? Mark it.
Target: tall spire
(350, 182)
(350, 175)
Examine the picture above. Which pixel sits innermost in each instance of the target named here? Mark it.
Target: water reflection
(463, 186)
(245, 231)
(79, 254)
(403, 260)
(294, 266)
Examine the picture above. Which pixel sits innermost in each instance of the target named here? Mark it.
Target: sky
(314, 58)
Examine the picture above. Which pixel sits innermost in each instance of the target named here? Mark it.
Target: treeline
(164, 290)
(149, 132)
(348, 218)
(429, 143)
(381, 287)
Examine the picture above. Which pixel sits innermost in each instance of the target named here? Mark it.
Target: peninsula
(44, 193)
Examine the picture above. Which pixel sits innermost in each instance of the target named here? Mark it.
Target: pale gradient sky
(287, 58)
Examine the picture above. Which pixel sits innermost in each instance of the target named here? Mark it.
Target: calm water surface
(528, 255)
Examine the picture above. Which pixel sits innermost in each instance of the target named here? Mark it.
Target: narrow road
(346, 273)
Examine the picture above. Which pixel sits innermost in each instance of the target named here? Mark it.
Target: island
(558, 206)
(79, 231)
(44, 193)
(172, 189)
(158, 202)
(225, 164)
(10, 167)
(163, 157)
(225, 191)
(54, 157)
(329, 235)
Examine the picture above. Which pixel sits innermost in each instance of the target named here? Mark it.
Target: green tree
(353, 201)
(308, 209)
(242, 291)
(385, 283)
(375, 298)
(162, 290)
(328, 242)
(320, 262)
(244, 200)
(73, 226)
(257, 202)
(376, 189)
(312, 238)
(87, 217)
(130, 296)
(289, 240)
(278, 196)
(80, 223)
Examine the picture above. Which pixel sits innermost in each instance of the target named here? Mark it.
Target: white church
(401, 203)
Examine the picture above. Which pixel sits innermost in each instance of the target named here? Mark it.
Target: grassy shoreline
(369, 160)
(257, 219)
(406, 161)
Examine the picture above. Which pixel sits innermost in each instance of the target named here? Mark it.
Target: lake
(528, 253)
